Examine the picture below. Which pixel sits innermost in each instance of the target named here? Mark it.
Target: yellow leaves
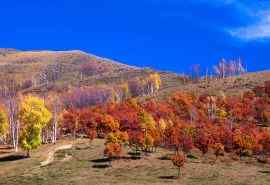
(243, 140)
(125, 88)
(3, 123)
(222, 113)
(33, 116)
(148, 141)
(33, 112)
(112, 123)
(162, 124)
(189, 130)
(155, 78)
(117, 137)
(147, 121)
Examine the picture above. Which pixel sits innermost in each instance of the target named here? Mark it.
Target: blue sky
(163, 34)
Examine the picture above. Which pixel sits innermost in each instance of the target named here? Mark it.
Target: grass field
(84, 165)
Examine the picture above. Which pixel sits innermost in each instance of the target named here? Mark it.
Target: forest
(180, 123)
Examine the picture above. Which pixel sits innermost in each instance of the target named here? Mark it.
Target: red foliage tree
(112, 150)
(178, 160)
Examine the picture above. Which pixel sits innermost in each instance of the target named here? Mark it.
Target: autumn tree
(136, 87)
(87, 96)
(154, 83)
(51, 73)
(88, 122)
(145, 86)
(226, 68)
(203, 139)
(148, 127)
(106, 124)
(9, 93)
(70, 122)
(244, 141)
(267, 88)
(34, 116)
(54, 103)
(264, 143)
(117, 137)
(178, 160)
(3, 124)
(218, 150)
(179, 137)
(121, 92)
(112, 150)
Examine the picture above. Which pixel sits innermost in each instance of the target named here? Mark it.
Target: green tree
(34, 116)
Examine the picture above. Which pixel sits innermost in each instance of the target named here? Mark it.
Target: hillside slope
(23, 65)
(60, 69)
(230, 85)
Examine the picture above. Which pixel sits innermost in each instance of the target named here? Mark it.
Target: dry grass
(26, 65)
(83, 165)
(230, 86)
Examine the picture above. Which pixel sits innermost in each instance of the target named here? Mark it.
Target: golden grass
(82, 165)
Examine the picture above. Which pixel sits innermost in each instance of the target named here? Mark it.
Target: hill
(38, 70)
(33, 69)
(229, 85)
(26, 65)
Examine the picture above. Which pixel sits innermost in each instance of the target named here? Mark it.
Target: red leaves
(181, 123)
(178, 160)
(70, 121)
(112, 150)
(267, 88)
(203, 140)
(244, 140)
(180, 137)
(218, 149)
(263, 145)
(88, 122)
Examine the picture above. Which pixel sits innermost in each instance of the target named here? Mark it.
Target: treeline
(224, 68)
(234, 124)
(181, 122)
(96, 95)
(14, 102)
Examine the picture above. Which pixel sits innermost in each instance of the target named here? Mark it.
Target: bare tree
(54, 103)
(231, 68)
(9, 95)
(220, 68)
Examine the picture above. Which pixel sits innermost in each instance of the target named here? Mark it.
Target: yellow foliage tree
(34, 116)
(147, 121)
(148, 125)
(3, 123)
(117, 137)
(155, 78)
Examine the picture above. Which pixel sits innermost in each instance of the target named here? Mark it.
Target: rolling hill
(62, 69)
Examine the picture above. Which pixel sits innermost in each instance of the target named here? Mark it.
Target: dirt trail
(50, 157)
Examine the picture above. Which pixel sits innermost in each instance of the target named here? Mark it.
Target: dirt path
(50, 157)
